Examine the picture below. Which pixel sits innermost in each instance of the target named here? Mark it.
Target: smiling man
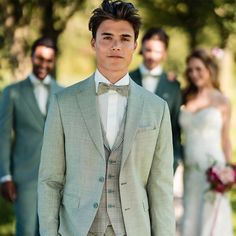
(22, 117)
(106, 164)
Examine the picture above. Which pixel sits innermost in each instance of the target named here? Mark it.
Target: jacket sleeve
(160, 182)
(6, 131)
(51, 172)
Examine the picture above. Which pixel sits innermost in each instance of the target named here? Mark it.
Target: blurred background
(189, 23)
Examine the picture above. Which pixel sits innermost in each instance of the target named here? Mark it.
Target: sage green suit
(73, 164)
(170, 91)
(21, 130)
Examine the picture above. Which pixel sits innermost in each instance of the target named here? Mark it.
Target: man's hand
(8, 191)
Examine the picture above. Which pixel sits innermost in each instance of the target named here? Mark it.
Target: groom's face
(114, 45)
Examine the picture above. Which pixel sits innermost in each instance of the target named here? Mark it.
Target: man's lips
(115, 56)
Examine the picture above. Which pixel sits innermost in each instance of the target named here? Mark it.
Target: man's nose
(116, 45)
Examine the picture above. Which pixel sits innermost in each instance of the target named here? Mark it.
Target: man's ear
(135, 45)
(92, 42)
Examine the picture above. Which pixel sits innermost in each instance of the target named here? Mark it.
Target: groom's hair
(43, 41)
(115, 10)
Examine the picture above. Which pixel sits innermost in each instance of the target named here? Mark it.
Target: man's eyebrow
(123, 35)
(106, 33)
(126, 35)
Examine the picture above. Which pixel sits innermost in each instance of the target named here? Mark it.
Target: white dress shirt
(149, 77)
(41, 91)
(41, 94)
(112, 107)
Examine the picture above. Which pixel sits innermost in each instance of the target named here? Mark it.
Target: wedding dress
(206, 213)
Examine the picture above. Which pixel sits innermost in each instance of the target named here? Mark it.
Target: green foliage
(193, 16)
(7, 220)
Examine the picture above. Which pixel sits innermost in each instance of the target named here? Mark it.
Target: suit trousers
(26, 211)
(109, 232)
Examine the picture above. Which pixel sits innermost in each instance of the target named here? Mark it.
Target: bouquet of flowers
(221, 178)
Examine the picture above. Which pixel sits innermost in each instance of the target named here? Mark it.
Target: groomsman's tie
(123, 90)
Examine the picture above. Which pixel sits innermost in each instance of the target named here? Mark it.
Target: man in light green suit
(107, 155)
(22, 116)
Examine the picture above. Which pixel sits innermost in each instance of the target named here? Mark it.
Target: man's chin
(41, 76)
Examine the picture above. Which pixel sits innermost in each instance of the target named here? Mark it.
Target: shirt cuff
(5, 178)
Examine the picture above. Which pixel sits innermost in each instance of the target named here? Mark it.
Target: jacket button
(95, 205)
(110, 206)
(101, 179)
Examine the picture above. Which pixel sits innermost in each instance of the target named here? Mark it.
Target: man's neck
(113, 76)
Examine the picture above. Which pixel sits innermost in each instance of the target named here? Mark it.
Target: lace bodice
(202, 136)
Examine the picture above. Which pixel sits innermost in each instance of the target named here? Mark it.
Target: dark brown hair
(115, 10)
(156, 34)
(43, 41)
(209, 63)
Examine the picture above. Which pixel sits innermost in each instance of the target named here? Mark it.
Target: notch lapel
(87, 102)
(30, 100)
(134, 112)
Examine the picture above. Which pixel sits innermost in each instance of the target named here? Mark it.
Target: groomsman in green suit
(23, 112)
(107, 159)
(151, 76)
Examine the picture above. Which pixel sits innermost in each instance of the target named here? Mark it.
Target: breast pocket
(146, 134)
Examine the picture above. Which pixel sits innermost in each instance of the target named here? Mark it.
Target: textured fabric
(205, 213)
(109, 211)
(170, 91)
(104, 88)
(73, 161)
(109, 232)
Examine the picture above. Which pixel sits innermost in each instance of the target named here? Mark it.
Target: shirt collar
(35, 81)
(154, 72)
(101, 78)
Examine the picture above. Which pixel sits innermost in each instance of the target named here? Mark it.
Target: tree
(192, 16)
(22, 21)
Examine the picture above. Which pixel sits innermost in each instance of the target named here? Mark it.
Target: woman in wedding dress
(205, 119)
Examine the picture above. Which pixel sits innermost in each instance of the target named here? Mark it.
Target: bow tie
(123, 90)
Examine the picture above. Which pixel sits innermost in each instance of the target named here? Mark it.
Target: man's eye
(126, 39)
(107, 38)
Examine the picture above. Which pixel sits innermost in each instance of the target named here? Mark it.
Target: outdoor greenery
(190, 24)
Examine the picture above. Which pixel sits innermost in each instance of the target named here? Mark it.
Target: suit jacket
(170, 91)
(21, 129)
(73, 164)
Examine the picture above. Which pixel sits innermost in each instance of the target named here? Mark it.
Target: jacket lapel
(30, 100)
(160, 85)
(87, 102)
(134, 111)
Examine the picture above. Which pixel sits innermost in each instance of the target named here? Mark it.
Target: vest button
(95, 205)
(101, 179)
(110, 206)
(112, 162)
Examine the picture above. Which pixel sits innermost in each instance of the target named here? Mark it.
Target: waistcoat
(109, 210)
